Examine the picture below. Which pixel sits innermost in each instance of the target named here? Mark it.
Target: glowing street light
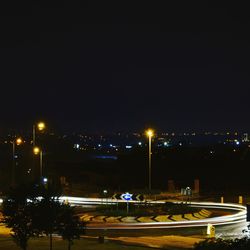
(150, 134)
(40, 126)
(36, 151)
(17, 142)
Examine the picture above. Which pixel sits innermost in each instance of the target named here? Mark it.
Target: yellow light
(36, 150)
(19, 141)
(150, 132)
(41, 126)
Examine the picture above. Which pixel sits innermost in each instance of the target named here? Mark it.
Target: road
(227, 226)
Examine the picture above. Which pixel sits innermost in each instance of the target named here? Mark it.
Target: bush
(220, 244)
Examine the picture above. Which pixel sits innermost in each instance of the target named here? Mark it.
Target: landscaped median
(202, 214)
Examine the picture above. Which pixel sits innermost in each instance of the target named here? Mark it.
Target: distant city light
(128, 146)
(237, 142)
(139, 143)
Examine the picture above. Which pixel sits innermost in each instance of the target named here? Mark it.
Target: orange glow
(150, 132)
(36, 150)
(41, 126)
(19, 141)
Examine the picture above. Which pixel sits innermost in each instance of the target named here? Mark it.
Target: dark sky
(109, 67)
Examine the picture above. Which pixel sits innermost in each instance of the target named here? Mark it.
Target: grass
(146, 209)
(6, 242)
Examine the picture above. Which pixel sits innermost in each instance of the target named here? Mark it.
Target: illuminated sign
(127, 196)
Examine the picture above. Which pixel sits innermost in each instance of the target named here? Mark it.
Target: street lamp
(149, 133)
(40, 126)
(36, 151)
(17, 142)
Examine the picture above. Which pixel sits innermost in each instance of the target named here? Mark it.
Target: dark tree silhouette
(46, 211)
(17, 209)
(70, 226)
(34, 210)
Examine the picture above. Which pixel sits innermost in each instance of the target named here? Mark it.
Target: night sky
(111, 67)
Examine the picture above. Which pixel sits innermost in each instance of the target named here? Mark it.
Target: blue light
(127, 196)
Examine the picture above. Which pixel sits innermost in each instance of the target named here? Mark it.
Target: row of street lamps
(36, 150)
(15, 143)
(40, 126)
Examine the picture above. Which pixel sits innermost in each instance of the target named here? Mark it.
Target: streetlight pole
(149, 134)
(34, 135)
(149, 162)
(40, 126)
(39, 151)
(15, 142)
(13, 164)
(41, 164)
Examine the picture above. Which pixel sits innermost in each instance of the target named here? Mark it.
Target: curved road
(237, 215)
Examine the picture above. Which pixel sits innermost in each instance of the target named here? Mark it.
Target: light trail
(238, 216)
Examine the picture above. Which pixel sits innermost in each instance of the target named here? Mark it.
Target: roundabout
(232, 214)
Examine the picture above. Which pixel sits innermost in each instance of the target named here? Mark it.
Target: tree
(34, 210)
(17, 211)
(70, 226)
(21, 227)
(220, 244)
(46, 211)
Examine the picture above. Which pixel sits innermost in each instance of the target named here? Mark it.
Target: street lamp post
(37, 151)
(40, 126)
(150, 133)
(15, 142)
